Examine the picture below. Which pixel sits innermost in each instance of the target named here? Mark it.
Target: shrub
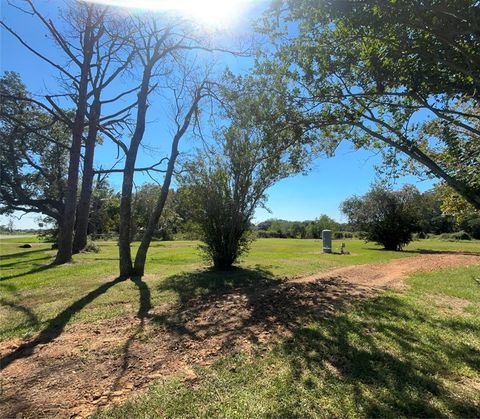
(91, 247)
(459, 235)
(388, 217)
(225, 189)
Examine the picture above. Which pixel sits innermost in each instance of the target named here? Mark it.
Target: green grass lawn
(34, 292)
(411, 353)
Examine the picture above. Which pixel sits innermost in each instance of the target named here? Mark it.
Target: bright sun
(212, 13)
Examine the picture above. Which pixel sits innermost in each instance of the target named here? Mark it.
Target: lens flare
(213, 13)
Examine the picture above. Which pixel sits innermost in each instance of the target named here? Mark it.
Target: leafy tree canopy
(399, 75)
(33, 154)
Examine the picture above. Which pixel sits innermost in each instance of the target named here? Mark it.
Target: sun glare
(215, 14)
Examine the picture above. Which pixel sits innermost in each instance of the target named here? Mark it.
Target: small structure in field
(342, 250)
(327, 241)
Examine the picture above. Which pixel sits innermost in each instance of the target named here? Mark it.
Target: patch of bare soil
(448, 304)
(72, 370)
(391, 274)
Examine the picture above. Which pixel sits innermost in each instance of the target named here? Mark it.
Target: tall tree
(373, 71)
(113, 56)
(85, 27)
(187, 101)
(154, 44)
(90, 29)
(163, 48)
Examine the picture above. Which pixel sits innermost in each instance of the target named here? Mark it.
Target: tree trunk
(65, 241)
(125, 254)
(141, 257)
(83, 207)
(470, 194)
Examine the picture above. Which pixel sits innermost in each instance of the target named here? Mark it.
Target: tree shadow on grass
(443, 252)
(32, 319)
(56, 325)
(21, 254)
(39, 268)
(390, 366)
(26, 262)
(55, 328)
(387, 355)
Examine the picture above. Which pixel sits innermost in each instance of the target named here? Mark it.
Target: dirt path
(391, 274)
(87, 366)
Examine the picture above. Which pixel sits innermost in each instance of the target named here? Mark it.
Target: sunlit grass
(415, 353)
(33, 292)
(396, 355)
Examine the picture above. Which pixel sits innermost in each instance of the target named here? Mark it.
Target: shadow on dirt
(377, 350)
(56, 325)
(391, 366)
(145, 304)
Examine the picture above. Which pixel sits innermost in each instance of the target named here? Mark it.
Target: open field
(412, 354)
(245, 343)
(28, 279)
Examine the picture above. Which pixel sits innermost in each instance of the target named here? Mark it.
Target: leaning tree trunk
(65, 241)
(125, 253)
(472, 195)
(141, 257)
(83, 207)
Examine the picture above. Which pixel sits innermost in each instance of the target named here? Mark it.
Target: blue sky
(301, 197)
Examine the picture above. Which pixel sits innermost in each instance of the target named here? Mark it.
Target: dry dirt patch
(92, 365)
(391, 274)
(448, 304)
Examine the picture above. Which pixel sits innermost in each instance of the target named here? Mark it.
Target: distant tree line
(299, 229)
(180, 219)
(422, 214)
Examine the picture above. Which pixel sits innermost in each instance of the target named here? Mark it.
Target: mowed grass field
(33, 292)
(402, 353)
